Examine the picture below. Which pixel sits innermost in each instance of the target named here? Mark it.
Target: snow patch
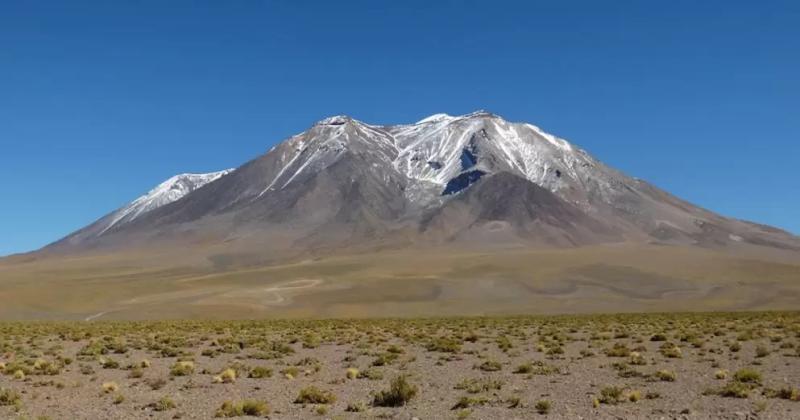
(167, 192)
(436, 118)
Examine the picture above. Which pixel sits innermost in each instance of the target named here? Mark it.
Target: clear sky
(100, 101)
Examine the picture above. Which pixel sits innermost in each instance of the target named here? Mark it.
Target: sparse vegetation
(314, 395)
(109, 387)
(226, 376)
(665, 375)
(399, 393)
(118, 362)
(182, 368)
(260, 372)
(163, 404)
(749, 376)
(9, 397)
(543, 406)
(243, 408)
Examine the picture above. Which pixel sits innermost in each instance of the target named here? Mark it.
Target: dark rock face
(462, 181)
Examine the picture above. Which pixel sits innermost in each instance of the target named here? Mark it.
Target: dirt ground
(414, 283)
(730, 366)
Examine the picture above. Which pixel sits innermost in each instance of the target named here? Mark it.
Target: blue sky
(100, 101)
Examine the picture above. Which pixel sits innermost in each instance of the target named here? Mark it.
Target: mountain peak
(480, 113)
(335, 120)
(443, 117)
(169, 191)
(343, 175)
(436, 118)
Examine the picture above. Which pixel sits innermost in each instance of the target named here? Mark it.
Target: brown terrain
(425, 282)
(342, 239)
(692, 366)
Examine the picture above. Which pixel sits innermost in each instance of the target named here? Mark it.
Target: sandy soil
(409, 283)
(572, 359)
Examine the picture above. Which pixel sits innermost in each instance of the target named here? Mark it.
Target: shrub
(791, 394)
(109, 387)
(164, 404)
(356, 407)
(636, 358)
(183, 368)
(311, 341)
(735, 389)
(156, 383)
(9, 397)
(611, 395)
(372, 374)
(474, 386)
(108, 363)
(619, 350)
(542, 406)
(490, 366)
(504, 344)
(652, 395)
(398, 394)
(352, 373)
(749, 376)
(467, 402)
(290, 372)
(762, 351)
(394, 349)
(444, 345)
(524, 368)
(535, 368)
(665, 375)
(259, 372)
(384, 359)
(670, 350)
(314, 395)
(634, 396)
(226, 376)
(242, 408)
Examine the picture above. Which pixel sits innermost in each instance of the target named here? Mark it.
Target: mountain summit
(474, 180)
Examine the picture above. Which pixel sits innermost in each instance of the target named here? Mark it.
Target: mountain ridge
(344, 175)
(464, 215)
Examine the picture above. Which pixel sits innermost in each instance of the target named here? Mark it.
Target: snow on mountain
(345, 177)
(440, 147)
(434, 151)
(167, 192)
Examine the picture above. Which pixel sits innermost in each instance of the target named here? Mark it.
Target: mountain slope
(505, 208)
(165, 193)
(475, 179)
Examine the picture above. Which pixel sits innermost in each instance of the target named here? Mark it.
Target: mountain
(451, 215)
(474, 180)
(165, 193)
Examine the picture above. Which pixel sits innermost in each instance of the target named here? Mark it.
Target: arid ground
(724, 365)
(209, 284)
